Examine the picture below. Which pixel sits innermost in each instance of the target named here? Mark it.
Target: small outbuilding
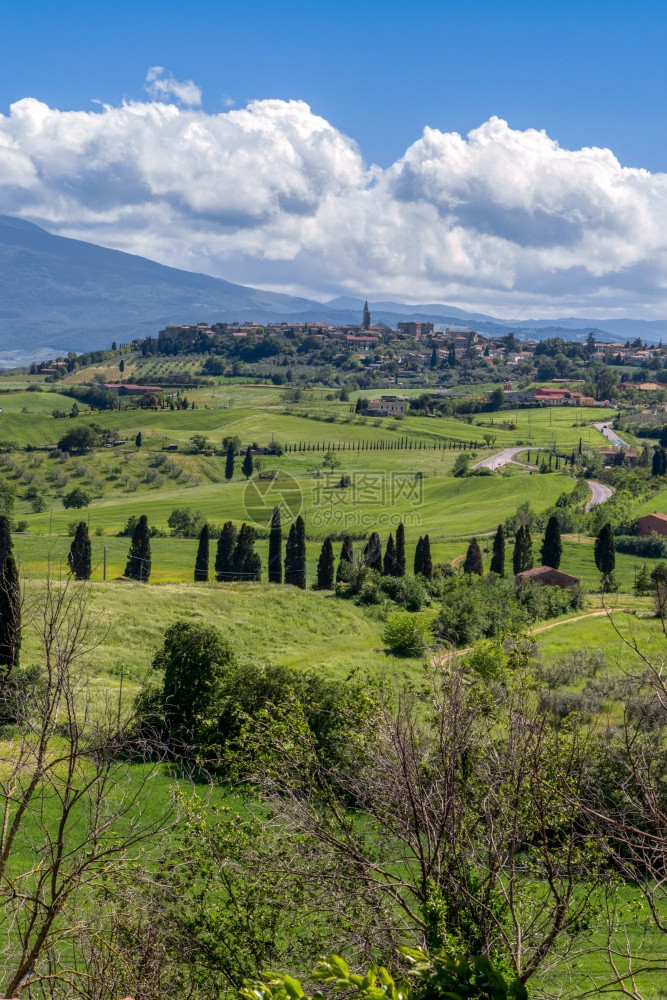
(547, 576)
(652, 523)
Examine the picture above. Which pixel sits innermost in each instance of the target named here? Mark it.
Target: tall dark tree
(138, 565)
(295, 555)
(417, 565)
(663, 436)
(552, 547)
(400, 549)
(605, 551)
(373, 552)
(80, 553)
(325, 566)
(275, 548)
(300, 553)
(434, 357)
(345, 560)
(229, 462)
(247, 565)
(498, 554)
(201, 562)
(423, 565)
(10, 615)
(659, 463)
(389, 561)
(121, 366)
(473, 560)
(138, 440)
(522, 558)
(224, 555)
(247, 466)
(5, 538)
(366, 319)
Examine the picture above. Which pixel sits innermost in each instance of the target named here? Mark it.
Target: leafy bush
(78, 440)
(406, 634)
(185, 523)
(651, 546)
(76, 498)
(407, 591)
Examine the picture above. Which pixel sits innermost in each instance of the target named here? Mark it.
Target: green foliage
(138, 566)
(522, 558)
(651, 546)
(275, 565)
(373, 552)
(247, 467)
(605, 552)
(326, 566)
(79, 440)
(552, 547)
(80, 554)
(423, 564)
(246, 564)
(400, 549)
(439, 975)
(10, 615)
(76, 498)
(406, 634)
(201, 562)
(345, 560)
(185, 522)
(473, 560)
(229, 462)
(295, 554)
(498, 556)
(7, 497)
(389, 561)
(5, 538)
(224, 556)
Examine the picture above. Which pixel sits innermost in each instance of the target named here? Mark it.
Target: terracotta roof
(663, 517)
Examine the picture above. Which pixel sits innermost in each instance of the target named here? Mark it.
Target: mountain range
(59, 294)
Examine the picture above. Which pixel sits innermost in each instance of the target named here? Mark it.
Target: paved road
(612, 436)
(502, 458)
(600, 493)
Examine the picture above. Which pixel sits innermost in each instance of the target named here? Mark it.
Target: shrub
(76, 499)
(79, 440)
(406, 634)
(651, 546)
(185, 523)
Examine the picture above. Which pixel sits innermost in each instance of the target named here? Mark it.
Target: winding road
(612, 436)
(497, 461)
(600, 493)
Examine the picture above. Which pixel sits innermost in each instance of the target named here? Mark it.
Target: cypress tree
(552, 547)
(229, 463)
(5, 538)
(10, 615)
(663, 436)
(138, 440)
(224, 556)
(417, 565)
(290, 558)
(246, 564)
(276, 548)
(201, 562)
(523, 550)
(366, 320)
(345, 560)
(80, 553)
(138, 565)
(605, 551)
(498, 556)
(373, 552)
(247, 466)
(325, 566)
(473, 560)
(300, 553)
(389, 563)
(663, 462)
(400, 550)
(427, 564)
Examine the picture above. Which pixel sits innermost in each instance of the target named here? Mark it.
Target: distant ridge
(59, 294)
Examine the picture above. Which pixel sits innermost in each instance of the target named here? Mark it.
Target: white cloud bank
(275, 196)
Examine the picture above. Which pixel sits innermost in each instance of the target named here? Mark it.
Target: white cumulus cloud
(274, 195)
(160, 86)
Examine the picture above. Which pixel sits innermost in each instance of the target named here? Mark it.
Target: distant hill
(58, 294)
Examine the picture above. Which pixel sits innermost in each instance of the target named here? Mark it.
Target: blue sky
(588, 73)
(506, 157)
